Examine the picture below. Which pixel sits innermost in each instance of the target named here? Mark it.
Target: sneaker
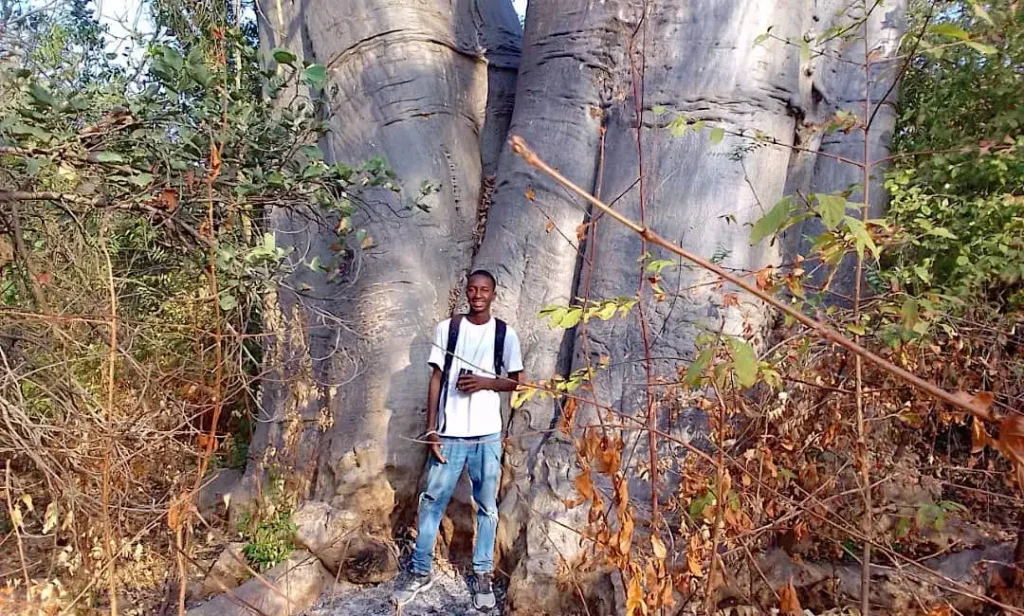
(411, 584)
(483, 591)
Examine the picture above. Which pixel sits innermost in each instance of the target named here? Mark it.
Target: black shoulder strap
(449, 355)
(499, 346)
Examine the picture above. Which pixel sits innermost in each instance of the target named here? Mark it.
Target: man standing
(464, 431)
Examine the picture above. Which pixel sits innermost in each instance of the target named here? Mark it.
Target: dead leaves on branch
(789, 603)
(1010, 442)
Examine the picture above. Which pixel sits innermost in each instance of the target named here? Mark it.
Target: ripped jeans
(481, 455)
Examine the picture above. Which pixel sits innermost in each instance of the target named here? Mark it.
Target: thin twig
(15, 525)
(862, 453)
(111, 549)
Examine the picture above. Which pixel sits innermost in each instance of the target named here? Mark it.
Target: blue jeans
(482, 457)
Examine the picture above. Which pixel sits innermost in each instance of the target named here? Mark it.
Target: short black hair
(485, 273)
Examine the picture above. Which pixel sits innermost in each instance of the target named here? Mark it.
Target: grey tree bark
(618, 63)
(409, 82)
(597, 84)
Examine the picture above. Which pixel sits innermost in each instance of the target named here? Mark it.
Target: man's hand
(434, 442)
(472, 383)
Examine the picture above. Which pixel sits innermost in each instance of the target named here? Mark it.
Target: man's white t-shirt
(479, 414)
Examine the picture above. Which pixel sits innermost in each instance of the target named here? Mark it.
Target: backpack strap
(499, 346)
(449, 355)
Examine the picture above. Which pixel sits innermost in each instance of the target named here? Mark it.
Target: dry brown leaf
(1011, 438)
(529, 194)
(693, 564)
(550, 226)
(168, 199)
(979, 436)
(626, 534)
(584, 485)
(789, 603)
(1011, 443)
(214, 163)
(565, 423)
(660, 551)
(635, 597)
(609, 458)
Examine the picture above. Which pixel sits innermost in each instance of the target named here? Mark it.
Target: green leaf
(762, 37)
(141, 179)
(658, 109)
(948, 29)
(607, 311)
(861, 237)
(227, 301)
(698, 367)
(678, 126)
(20, 128)
(716, 135)
(744, 361)
(315, 75)
(313, 170)
(109, 157)
(831, 208)
(771, 222)
(571, 318)
(283, 56)
(856, 328)
(982, 48)
(312, 152)
(941, 232)
(41, 95)
(655, 267)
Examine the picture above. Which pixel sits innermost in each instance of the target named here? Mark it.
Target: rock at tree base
(343, 545)
(294, 585)
(227, 572)
(215, 495)
(450, 596)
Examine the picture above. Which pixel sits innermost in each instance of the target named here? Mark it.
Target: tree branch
(22, 195)
(960, 400)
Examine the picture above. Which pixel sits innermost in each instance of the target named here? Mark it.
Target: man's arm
(433, 398)
(472, 383)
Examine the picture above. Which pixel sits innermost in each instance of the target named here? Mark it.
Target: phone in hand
(462, 372)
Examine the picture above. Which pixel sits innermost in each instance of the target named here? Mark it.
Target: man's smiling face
(480, 293)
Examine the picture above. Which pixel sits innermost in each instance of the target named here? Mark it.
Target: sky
(114, 13)
(121, 17)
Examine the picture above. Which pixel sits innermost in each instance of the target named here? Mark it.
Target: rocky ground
(450, 596)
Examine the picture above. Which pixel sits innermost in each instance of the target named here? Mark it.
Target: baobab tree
(683, 114)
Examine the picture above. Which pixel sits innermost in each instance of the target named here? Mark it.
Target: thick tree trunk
(407, 81)
(697, 60)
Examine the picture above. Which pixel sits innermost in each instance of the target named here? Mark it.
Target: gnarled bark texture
(618, 64)
(407, 81)
(428, 85)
